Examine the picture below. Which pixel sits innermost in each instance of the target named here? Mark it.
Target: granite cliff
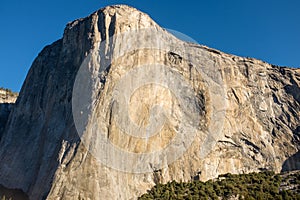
(120, 104)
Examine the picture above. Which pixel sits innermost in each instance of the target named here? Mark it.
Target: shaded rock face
(233, 114)
(292, 163)
(5, 109)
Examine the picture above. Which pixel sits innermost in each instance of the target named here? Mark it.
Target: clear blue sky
(267, 29)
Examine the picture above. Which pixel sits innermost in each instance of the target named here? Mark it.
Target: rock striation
(95, 89)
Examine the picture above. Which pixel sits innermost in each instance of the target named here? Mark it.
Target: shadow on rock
(5, 109)
(292, 163)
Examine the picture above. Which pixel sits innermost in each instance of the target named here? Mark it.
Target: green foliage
(256, 186)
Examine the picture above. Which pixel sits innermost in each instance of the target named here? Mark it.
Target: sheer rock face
(41, 151)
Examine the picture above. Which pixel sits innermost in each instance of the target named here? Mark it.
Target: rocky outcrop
(7, 96)
(7, 99)
(119, 104)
